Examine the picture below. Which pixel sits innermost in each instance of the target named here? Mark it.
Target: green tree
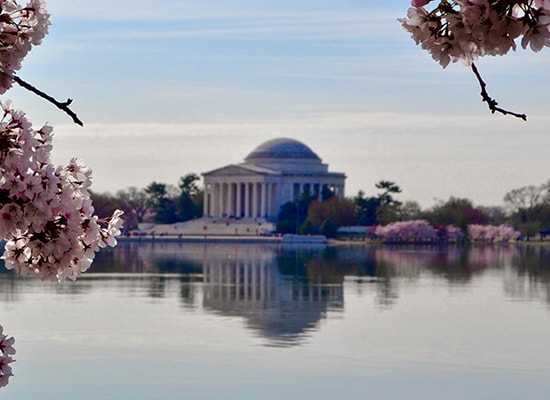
(329, 229)
(188, 184)
(163, 206)
(293, 213)
(380, 209)
(302, 205)
(189, 202)
(366, 209)
(287, 220)
(326, 193)
(388, 209)
(388, 188)
(307, 228)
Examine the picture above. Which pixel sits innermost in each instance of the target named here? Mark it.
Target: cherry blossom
(464, 30)
(6, 351)
(419, 231)
(20, 29)
(46, 214)
(407, 231)
(489, 233)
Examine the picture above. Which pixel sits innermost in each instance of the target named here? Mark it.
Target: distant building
(276, 172)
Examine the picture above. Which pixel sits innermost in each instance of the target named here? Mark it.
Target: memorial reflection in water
(276, 290)
(261, 280)
(250, 284)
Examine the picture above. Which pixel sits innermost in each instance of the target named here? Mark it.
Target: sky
(191, 86)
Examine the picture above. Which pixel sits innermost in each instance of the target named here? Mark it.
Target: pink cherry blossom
(6, 351)
(489, 233)
(463, 30)
(46, 215)
(407, 231)
(6, 343)
(21, 27)
(421, 231)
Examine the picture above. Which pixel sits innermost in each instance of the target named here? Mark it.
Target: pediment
(232, 170)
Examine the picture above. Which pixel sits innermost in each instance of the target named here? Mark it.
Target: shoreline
(304, 240)
(201, 238)
(285, 239)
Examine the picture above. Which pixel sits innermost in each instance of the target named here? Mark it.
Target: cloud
(176, 20)
(430, 156)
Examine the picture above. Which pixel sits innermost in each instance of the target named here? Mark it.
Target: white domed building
(276, 172)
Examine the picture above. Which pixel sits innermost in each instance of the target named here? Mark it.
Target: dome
(282, 148)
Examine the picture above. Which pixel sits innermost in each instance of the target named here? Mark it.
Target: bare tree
(137, 201)
(526, 197)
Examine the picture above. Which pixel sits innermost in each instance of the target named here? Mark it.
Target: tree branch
(63, 106)
(492, 103)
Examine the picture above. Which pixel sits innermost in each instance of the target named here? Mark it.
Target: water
(229, 321)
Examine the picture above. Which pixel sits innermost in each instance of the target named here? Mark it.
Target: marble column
(269, 199)
(205, 203)
(230, 200)
(247, 200)
(263, 199)
(220, 200)
(213, 201)
(254, 200)
(239, 201)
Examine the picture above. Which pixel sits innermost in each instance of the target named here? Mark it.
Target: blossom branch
(63, 106)
(492, 103)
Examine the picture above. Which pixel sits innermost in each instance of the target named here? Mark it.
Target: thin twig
(492, 103)
(63, 106)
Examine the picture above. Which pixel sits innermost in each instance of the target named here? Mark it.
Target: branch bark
(492, 103)
(63, 106)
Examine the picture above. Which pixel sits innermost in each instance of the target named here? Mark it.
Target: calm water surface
(229, 321)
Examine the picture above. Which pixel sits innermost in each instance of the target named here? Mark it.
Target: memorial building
(276, 172)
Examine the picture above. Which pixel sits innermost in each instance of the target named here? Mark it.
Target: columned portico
(276, 172)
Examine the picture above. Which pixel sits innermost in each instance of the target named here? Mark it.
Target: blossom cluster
(464, 30)
(418, 231)
(6, 353)
(489, 233)
(20, 29)
(46, 215)
(407, 231)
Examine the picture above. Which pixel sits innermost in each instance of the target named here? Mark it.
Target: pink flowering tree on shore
(421, 231)
(407, 231)
(489, 233)
(464, 30)
(46, 216)
(418, 231)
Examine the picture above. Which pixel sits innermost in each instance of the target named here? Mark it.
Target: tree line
(158, 202)
(526, 208)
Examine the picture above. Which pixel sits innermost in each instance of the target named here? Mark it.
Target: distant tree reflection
(282, 293)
